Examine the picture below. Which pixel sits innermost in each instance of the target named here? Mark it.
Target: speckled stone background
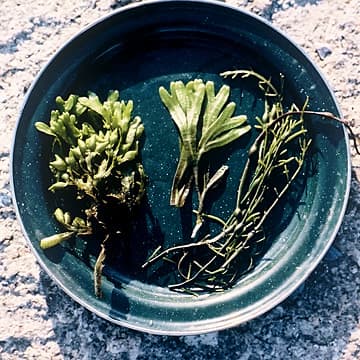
(321, 320)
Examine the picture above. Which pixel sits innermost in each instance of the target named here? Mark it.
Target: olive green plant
(205, 121)
(211, 261)
(96, 153)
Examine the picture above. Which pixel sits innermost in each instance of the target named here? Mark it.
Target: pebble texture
(321, 320)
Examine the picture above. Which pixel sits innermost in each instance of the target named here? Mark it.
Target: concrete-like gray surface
(38, 321)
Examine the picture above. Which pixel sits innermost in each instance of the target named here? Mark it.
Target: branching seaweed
(212, 262)
(96, 152)
(205, 122)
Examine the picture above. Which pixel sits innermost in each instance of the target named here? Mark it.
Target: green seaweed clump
(96, 156)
